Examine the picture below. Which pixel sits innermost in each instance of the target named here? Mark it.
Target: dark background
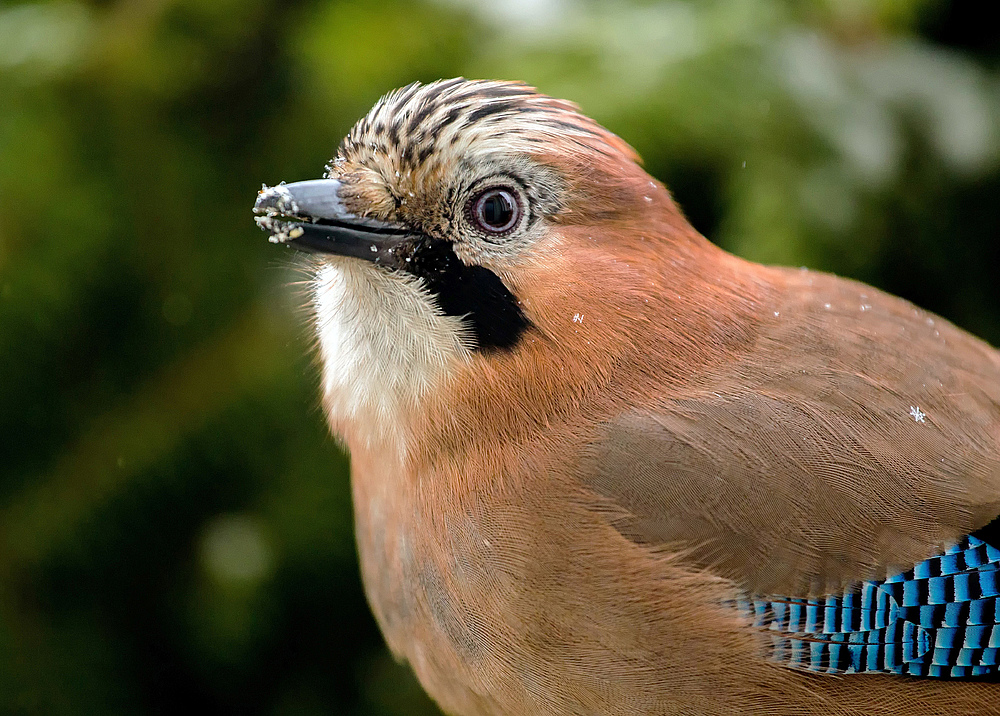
(175, 523)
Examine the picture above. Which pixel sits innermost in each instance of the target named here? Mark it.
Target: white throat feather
(384, 345)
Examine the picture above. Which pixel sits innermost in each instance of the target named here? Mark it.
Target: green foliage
(175, 524)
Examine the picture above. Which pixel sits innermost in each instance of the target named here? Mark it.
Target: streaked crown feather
(418, 125)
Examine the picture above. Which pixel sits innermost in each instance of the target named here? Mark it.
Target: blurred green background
(175, 523)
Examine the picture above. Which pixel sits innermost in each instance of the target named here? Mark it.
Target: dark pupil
(496, 210)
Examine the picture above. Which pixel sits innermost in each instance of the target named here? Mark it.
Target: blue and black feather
(940, 619)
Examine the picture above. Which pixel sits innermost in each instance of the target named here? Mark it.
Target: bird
(601, 466)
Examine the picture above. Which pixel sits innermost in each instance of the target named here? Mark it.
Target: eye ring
(496, 211)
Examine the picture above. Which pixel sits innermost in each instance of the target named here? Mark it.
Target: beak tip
(275, 200)
(279, 232)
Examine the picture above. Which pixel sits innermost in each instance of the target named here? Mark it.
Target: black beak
(310, 216)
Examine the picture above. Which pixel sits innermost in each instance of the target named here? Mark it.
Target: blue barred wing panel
(940, 619)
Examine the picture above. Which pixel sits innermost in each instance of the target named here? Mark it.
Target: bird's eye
(496, 211)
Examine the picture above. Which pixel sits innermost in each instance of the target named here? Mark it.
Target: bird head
(471, 221)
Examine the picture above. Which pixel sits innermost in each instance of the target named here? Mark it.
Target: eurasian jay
(601, 466)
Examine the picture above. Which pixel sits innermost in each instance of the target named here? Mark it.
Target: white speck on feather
(649, 199)
(577, 318)
(865, 307)
(917, 414)
(777, 313)
(826, 306)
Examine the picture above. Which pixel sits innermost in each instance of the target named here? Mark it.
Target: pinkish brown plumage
(595, 459)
